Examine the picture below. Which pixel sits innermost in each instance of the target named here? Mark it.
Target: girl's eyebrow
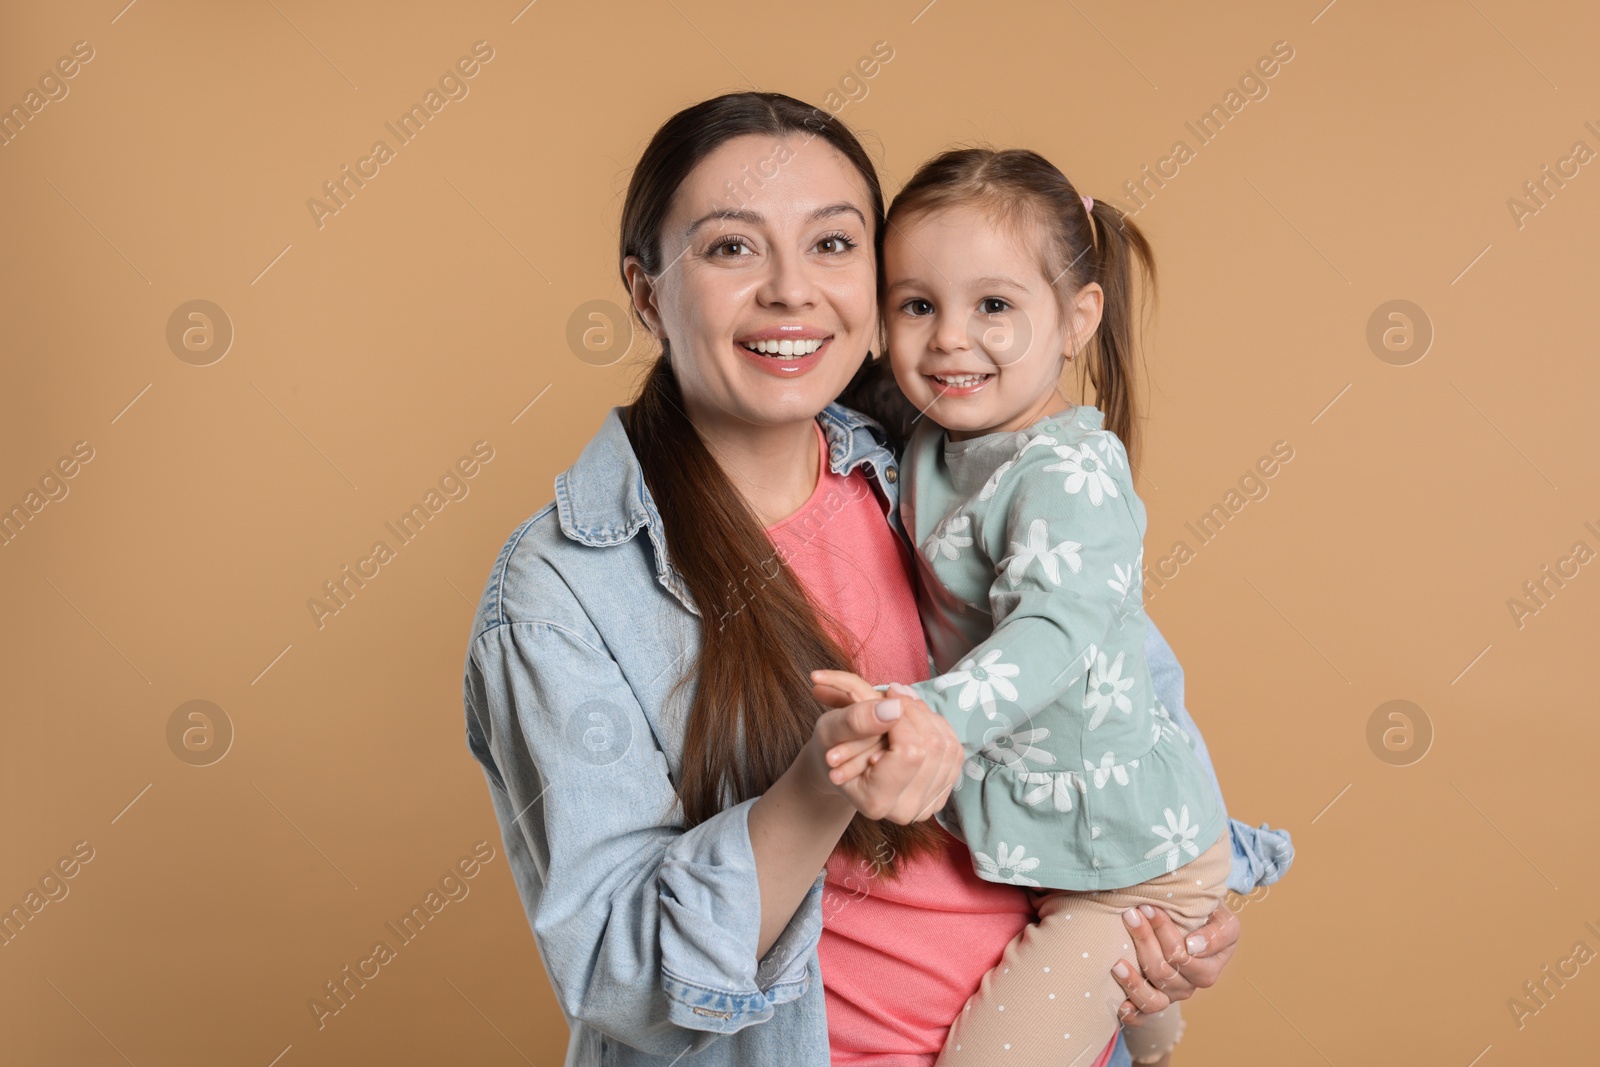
(755, 218)
(999, 283)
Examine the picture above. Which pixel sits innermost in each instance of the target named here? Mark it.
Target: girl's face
(977, 337)
(768, 294)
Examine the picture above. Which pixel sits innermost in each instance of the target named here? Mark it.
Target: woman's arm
(657, 934)
(798, 821)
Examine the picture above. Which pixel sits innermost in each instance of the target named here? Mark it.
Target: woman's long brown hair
(752, 709)
(1099, 245)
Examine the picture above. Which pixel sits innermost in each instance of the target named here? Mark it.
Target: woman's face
(767, 295)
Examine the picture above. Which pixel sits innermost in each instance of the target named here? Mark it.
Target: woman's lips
(781, 366)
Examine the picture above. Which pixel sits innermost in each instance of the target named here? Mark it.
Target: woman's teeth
(959, 381)
(784, 348)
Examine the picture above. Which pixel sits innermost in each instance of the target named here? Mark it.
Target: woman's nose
(788, 282)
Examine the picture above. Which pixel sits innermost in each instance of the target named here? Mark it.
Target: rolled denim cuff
(1261, 855)
(711, 926)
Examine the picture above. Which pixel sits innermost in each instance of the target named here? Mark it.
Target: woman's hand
(906, 757)
(1173, 966)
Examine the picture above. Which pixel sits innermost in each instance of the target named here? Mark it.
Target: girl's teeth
(784, 348)
(959, 381)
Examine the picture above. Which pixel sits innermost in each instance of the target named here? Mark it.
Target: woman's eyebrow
(755, 218)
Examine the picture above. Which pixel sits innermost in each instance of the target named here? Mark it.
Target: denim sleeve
(1261, 855)
(648, 930)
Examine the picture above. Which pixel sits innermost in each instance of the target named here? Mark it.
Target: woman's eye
(835, 243)
(917, 307)
(733, 246)
(993, 305)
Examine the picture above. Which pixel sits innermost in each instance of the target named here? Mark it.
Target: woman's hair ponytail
(751, 709)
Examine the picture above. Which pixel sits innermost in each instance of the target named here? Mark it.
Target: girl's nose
(950, 334)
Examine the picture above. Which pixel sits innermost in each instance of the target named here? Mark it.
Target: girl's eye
(917, 306)
(835, 243)
(993, 305)
(738, 245)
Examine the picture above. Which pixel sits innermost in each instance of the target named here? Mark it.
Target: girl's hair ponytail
(1119, 247)
(1100, 244)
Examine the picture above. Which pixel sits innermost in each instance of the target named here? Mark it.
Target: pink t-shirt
(899, 956)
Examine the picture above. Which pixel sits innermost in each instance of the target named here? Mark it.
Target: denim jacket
(648, 930)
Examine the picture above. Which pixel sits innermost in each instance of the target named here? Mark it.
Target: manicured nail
(1197, 944)
(888, 710)
(1120, 969)
(834, 756)
(1132, 916)
(903, 690)
(1149, 912)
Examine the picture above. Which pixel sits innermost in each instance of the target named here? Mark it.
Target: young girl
(997, 273)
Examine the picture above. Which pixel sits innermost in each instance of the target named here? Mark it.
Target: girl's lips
(784, 366)
(944, 390)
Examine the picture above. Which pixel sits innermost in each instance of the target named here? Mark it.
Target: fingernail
(834, 757)
(903, 690)
(888, 710)
(1196, 944)
(1149, 912)
(1120, 969)
(1132, 917)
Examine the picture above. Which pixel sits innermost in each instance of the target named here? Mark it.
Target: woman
(636, 686)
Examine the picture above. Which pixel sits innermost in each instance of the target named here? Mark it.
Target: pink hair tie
(1088, 204)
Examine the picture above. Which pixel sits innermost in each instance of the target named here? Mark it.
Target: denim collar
(602, 499)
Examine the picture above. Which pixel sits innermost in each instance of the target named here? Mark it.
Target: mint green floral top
(1031, 550)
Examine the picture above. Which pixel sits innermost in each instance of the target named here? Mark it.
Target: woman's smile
(785, 351)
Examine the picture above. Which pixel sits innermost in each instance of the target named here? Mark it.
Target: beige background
(369, 354)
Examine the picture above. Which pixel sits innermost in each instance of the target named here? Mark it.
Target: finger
(1220, 933)
(1154, 969)
(848, 682)
(828, 695)
(875, 793)
(849, 750)
(1142, 996)
(851, 769)
(861, 719)
(1168, 934)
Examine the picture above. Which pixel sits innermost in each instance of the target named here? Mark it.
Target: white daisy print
(1037, 550)
(1084, 470)
(980, 681)
(1163, 725)
(1123, 580)
(1108, 446)
(1176, 835)
(993, 484)
(1107, 689)
(1013, 747)
(1007, 866)
(1056, 786)
(1109, 769)
(948, 538)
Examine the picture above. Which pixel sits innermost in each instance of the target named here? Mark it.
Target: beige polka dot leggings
(1051, 1001)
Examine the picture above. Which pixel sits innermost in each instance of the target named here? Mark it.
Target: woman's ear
(642, 290)
(1088, 305)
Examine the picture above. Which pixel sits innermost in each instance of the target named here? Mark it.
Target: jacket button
(891, 475)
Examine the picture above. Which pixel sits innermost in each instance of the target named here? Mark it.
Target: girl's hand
(838, 689)
(917, 767)
(1173, 965)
